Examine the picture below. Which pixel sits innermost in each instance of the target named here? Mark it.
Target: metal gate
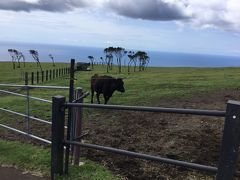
(230, 141)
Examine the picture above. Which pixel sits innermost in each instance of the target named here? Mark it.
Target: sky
(192, 26)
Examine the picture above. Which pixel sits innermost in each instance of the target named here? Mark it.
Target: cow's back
(100, 83)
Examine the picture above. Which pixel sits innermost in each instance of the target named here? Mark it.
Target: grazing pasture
(105, 85)
(10, 75)
(182, 137)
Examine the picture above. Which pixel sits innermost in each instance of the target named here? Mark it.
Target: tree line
(139, 58)
(17, 56)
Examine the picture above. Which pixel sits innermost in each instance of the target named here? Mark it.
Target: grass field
(37, 160)
(10, 75)
(142, 88)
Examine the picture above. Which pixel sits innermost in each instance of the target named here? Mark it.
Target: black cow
(105, 85)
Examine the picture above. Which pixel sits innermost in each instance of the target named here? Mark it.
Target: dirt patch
(189, 138)
(8, 173)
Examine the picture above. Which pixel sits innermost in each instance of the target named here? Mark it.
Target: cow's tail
(93, 78)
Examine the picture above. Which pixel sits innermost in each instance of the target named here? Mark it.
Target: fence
(76, 95)
(230, 141)
(47, 75)
(27, 104)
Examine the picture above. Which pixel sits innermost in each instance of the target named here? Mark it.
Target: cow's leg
(92, 95)
(98, 100)
(106, 98)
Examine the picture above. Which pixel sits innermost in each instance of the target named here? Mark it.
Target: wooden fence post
(78, 114)
(26, 78)
(69, 123)
(32, 78)
(56, 73)
(42, 76)
(230, 142)
(46, 75)
(37, 77)
(50, 77)
(57, 149)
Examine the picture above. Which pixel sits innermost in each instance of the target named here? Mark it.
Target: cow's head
(120, 85)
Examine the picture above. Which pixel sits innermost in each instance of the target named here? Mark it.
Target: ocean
(63, 53)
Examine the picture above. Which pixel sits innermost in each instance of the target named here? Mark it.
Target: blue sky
(193, 26)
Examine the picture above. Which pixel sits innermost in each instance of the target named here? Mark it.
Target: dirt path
(7, 173)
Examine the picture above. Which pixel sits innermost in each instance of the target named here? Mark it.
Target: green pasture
(10, 75)
(37, 160)
(142, 88)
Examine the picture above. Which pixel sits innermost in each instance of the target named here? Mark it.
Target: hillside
(191, 138)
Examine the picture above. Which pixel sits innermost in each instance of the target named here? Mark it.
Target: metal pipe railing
(81, 97)
(35, 86)
(24, 115)
(26, 134)
(146, 157)
(22, 95)
(150, 109)
(30, 117)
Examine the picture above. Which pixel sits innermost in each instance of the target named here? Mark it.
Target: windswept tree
(52, 58)
(21, 56)
(140, 56)
(132, 59)
(12, 54)
(102, 61)
(34, 54)
(109, 57)
(143, 59)
(16, 57)
(119, 53)
(91, 58)
(146, 61)
(109, 62)
(125, 53)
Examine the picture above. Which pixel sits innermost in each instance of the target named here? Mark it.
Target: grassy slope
(36, 159)
(142, 88)
(28, 157)
(8, 75)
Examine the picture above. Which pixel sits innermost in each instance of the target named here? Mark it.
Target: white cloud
(149, 9)
(45, 5)
(31, 1)
(221, 14)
